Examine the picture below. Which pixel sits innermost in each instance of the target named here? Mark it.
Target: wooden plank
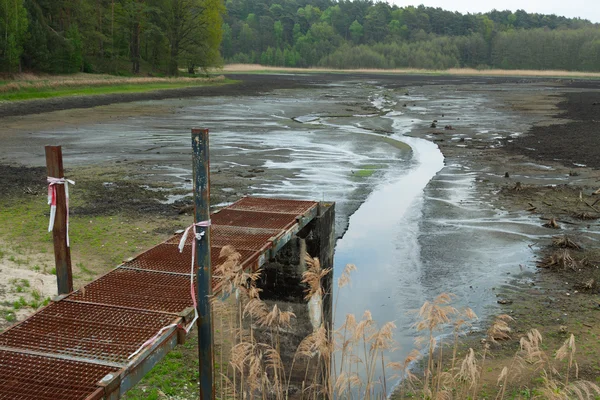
(62, 252)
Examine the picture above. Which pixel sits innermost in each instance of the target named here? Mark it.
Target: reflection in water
(422, 232)
(382, 240)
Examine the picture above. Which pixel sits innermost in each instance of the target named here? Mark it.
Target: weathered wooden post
(201, 170)
(62, 251)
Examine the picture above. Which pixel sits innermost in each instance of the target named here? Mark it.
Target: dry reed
(451, 71)
(565, 242)
(350, 362)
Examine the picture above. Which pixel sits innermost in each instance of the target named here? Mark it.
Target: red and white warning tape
(197, 236)
(52, 182)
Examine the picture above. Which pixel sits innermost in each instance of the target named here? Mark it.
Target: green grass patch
(175, 376)
(19, 285)
(366, 171)
(17, 305)
(8, 315)
(29, 93)
(110, 239)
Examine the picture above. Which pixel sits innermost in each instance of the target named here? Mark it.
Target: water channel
(413, 223)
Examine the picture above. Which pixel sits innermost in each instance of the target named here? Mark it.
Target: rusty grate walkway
(78, 347)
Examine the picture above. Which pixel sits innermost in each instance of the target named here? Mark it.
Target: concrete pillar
(281, 285)
(282, 276)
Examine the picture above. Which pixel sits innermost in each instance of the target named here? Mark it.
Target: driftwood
(552, 224)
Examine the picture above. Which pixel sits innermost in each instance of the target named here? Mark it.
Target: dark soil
(576, 142)
(17, 180)
(122, 197)
(91, 196)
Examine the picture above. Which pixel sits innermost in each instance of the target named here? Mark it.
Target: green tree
(356, 31)
(184, 25)
(278, 30)
(133, 18)
(205, 50)
(13, 28)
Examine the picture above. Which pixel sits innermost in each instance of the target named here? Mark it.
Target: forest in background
(113, 36)
(365, 34)
(164, 37)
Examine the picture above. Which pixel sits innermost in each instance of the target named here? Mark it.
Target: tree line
(166, 36)
(114, 36)
(364, 34)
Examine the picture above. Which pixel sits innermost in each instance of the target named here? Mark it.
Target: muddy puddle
(415, 223)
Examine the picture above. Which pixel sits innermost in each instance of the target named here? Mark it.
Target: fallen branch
(591, 206)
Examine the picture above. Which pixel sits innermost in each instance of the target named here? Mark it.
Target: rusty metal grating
(31, 377)
(253, 219)
(295, 207)
(241, 238)
(141, 290)
(107, 320)
(85, 330)
(167, 258)
(164, 258)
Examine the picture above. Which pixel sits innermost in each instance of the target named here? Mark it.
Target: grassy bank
(29, 86)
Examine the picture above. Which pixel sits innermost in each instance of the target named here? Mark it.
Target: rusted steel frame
(201, 179)
(285, 237)
(62, 252)
(62, 356)
(153, 270)
(129, 376)
(97, 395)
(143, 363)
(117, 306)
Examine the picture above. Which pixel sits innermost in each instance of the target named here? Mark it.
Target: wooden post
(62, 252)
(201, 170)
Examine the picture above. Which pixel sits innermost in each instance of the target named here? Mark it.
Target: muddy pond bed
(441, 184)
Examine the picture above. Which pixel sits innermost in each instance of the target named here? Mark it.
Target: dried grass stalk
(565, 241)
(560, 259)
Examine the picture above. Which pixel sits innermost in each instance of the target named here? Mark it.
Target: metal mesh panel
(253, 219)
(240, 238)
(110, 318)
(30, 377)
(85, 330)
(143, 290)
(167, 258)
(273, 205)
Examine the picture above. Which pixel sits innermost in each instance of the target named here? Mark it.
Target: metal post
(201, 168)
(62, 252)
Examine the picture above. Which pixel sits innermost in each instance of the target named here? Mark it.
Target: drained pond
(414, 223)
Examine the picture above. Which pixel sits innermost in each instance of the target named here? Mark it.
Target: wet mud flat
(548, 172)
(471, 217)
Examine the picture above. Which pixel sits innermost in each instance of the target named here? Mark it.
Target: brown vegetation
(451, 71)
(32, 81)
(351, 361)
